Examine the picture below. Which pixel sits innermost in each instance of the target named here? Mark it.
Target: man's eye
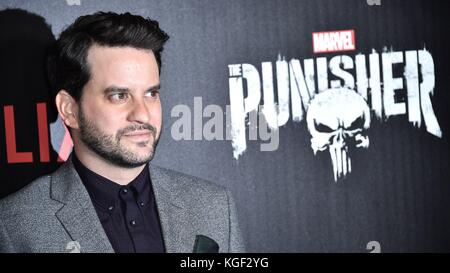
(118, 97)
(153, 94)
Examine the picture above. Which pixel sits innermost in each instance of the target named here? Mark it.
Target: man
(107, 197)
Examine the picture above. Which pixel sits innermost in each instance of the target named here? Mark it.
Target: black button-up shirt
(128, 213)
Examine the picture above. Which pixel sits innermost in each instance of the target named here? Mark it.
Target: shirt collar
(105, 192)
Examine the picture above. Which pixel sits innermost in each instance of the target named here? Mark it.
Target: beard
(109, 146)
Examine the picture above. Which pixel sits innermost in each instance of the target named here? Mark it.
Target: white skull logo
(338, 118)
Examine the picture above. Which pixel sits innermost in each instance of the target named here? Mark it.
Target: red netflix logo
(14, 156)
(333, 41)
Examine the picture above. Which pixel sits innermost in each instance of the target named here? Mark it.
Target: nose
(140, 112)
(340, 135)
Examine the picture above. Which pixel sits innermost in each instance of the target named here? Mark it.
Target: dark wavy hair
(67, 65)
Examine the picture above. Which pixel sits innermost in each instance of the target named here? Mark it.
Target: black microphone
(204, 244)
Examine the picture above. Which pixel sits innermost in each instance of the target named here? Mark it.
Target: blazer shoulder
(190, 186)
(31, 196)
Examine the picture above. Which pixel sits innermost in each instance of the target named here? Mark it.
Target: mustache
(137, 127)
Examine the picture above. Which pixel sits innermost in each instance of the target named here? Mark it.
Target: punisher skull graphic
(338, 119)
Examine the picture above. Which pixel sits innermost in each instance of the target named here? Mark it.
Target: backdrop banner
(328, 120)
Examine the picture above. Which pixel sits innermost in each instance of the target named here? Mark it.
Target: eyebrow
(118, 89)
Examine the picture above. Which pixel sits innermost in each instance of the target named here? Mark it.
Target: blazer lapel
(78, 215)
(177, 229)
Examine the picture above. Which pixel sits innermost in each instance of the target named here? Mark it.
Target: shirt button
(133, 223)
(111, 208)
(141, 204)
(124, 190)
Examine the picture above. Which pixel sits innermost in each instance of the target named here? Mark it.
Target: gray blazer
(55, 212)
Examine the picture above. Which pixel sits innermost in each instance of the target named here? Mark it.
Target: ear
(67, 109)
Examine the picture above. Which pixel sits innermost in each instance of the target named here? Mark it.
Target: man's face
(120, 110)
